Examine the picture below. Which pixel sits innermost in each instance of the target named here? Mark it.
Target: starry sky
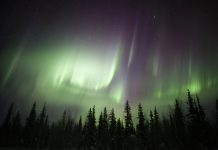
(74, 54)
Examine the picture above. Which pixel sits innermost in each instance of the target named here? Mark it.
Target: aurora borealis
(76, 54)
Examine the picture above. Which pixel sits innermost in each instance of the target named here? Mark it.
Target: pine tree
(156, 119)
(100, 139)
(152, 139)
(77, 134)
(90, 129)
(203, 125)
(42, 128)
(179, 124)
(69, 132)
(179, 117)
(202, 116)
(105, 129)
(105, 119)
(141, 130)
(30, 132)
(119, 135)
(112, 125)
(112, 129)
(58, 133)
(80, 124)
(191, 108)
(129, 129)
(197, 125)
(103, 134)
(167, 133)
(64, 118)
(192, 116)
(151, 124)
(157, 129)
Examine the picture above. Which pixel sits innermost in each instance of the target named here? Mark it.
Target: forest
(182, 129)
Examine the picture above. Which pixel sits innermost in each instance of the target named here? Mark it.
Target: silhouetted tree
(157, 129)
(103, 134)
(100, 132)
(192, 121)
(90, 129)
(152, 138)
(119, 135)
(42, 128)
(141, 129)
(154, 141)
(112, 129)
(105, 129)
(174, 131)
(78, 137)
(198, 126)
(203, 125)
(179, 125)
(167, 134)
(129, 130)
(30, 133)
(69, 132)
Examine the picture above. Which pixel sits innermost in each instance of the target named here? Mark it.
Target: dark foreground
(186, 127)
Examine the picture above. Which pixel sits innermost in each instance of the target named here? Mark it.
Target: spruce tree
(90, 129)
(191, 108)
(80, 124)
(129, 130)
(151, 124)
(100, 132)
(179, 124)
(77, 134)
(197, 125)
(69, 132)
(30, 132)
(152, 143)
(112, 129)
(112, 124)
(105, 129)
(157, 129)
(141, 131)
(119, 135)
(203, 125)
(192, 116)
(42, 128)
(201, 113)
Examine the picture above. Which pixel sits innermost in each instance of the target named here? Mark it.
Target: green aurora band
(82, 75)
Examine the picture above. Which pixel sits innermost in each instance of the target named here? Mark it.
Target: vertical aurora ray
(12, 66)
(87, 70)
(132, 47)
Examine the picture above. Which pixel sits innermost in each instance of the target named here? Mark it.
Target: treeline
(180, 130)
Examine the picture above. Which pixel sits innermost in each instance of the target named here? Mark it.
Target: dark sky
(77, 53)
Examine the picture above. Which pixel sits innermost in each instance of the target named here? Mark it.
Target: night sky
(74, 54)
